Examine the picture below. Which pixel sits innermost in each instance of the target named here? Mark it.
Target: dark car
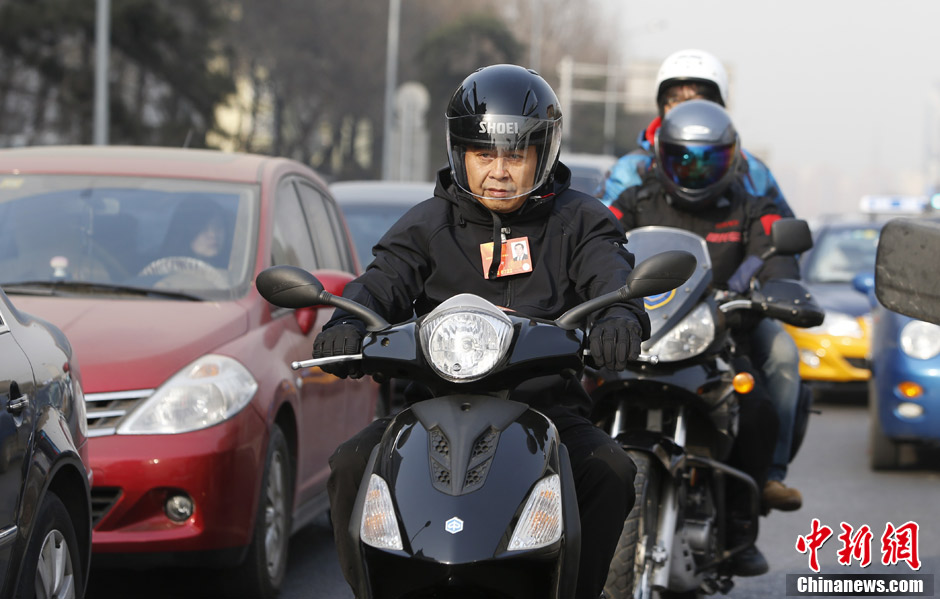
(208, 450)
(371, 207)
(45, 505)
(589, 171)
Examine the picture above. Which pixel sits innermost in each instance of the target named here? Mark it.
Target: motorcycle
(677, 412)
(469, 493)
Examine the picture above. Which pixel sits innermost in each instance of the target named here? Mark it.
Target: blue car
(904, 391)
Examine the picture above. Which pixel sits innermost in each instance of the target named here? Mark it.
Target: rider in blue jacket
(703, 69)
(697, 75)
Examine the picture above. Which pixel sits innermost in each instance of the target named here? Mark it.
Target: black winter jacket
(433, 252)
(736, 227)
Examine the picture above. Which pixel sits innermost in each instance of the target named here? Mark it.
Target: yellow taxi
(834, 355)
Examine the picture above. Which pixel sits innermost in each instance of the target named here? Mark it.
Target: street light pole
(102, 48)
(391, 76)
(535, 46)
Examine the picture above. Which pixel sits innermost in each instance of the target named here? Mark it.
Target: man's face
(679, 93)
(495, 176)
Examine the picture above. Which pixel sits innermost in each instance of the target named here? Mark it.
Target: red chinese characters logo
(898, 544)
(857, 546)
(812, 542)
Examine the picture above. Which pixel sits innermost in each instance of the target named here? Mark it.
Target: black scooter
(469, 494)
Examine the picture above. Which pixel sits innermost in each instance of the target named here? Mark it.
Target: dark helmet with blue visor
(697, 152)
(508, 109)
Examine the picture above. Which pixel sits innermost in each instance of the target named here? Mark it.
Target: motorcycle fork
(669, 507)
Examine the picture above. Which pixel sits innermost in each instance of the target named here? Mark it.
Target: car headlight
(838, 324)
(379, 526)
(690, 337)
(541, 521)
(465, 338)
(920, 340)
(206, 392)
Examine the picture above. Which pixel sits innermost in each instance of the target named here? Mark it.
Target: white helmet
(692, 65)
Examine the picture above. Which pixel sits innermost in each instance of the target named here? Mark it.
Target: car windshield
(368, 222)
(842, 253)
(192, 237)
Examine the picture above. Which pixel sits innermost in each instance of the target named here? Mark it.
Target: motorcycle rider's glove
(614, 341)
(338, 340)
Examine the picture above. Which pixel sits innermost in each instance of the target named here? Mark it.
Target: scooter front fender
(460, 469)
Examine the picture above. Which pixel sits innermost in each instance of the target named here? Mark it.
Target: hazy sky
(834, 94)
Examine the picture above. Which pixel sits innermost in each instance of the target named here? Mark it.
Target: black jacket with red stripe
(735, 227)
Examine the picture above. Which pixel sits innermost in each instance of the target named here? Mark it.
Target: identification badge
(516, 259)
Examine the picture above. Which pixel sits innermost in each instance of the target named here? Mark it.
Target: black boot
(750, 561)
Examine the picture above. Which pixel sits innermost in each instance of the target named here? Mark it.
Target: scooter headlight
(540, 524)
(465, 338)
(379, 526)
(690, 337)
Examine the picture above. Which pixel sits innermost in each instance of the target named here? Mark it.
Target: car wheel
(884, 453)
(51, 568)
(263, 571)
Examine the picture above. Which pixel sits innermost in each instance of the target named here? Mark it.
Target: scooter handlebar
(321, 361)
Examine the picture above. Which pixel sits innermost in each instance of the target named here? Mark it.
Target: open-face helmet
(507, 108)
(693, 66)
(697, 151)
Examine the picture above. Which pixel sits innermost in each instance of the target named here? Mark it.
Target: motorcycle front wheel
(631, 567)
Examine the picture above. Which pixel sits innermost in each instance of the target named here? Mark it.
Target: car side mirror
(906, 278)
(864, 282)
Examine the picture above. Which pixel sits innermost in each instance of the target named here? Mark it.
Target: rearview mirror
(660, 273)
(293, 287)
(289, 287)
(906, 276)
(657, 274)
(789, 237)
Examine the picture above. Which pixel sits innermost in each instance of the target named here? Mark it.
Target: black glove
(614, 341)
(340, 340)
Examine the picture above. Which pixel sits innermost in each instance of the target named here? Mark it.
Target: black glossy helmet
(697, 152)
(504, 107)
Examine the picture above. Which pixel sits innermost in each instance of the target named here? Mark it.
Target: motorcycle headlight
(541, 523)
(206, 392)
(838, 324)
(690, 337)
(379, 526)
(920, 340)
(465, 338)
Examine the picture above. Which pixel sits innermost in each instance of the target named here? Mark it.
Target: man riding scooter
(505, 186)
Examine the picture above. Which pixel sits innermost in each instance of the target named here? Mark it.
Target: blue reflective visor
(696, 166)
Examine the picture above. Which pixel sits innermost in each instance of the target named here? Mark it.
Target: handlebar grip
(328, 360)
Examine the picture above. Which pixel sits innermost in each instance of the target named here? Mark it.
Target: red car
(207, 448)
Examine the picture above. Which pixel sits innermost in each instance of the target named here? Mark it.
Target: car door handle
(15, 406)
